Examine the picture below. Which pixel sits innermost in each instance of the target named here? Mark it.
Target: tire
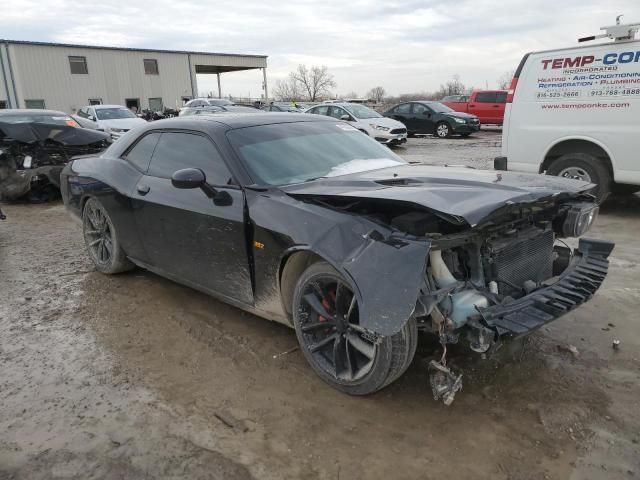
(340, 352)
(584, 166)
(624, 189)
(101, 239)
(443, 130)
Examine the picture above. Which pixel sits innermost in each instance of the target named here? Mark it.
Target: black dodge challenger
(303, 220)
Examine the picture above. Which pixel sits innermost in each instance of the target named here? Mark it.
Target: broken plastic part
(444, 383)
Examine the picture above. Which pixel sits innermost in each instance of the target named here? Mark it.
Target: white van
(575, 112)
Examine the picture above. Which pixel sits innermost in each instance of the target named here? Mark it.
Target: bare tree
(316, 81)
(504, 81)
(287, 91)
(377, 94)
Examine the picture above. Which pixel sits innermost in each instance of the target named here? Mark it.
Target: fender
(385, 269)
(585, 138)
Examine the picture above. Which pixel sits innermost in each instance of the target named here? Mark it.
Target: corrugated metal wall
(42, 72)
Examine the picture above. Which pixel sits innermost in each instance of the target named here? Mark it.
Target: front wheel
(585, 167)
(345, 355)
(101, 239)
(443, 130)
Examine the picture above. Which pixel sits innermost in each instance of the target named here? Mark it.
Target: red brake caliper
(325, 304)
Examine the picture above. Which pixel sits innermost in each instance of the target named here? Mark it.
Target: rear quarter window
(140, 154)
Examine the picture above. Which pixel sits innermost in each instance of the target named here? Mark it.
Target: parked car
(187, 111)
(115, 120)
(433, 118)
(282, 107)
(208, 102)
(303, 220)
(572, 112)
(384, 130)
(34, 147)
(487, 105)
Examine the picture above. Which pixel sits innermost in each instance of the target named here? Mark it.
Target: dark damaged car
(35, 145)
(303, 220)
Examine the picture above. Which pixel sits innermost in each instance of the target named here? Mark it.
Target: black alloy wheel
(101, 239)
(347, 356)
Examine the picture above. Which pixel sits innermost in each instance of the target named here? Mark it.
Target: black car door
(186, 235)
(423, 118)
(402, 113)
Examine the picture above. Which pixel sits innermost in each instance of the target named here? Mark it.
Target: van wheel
(443, 130)
(585, 167)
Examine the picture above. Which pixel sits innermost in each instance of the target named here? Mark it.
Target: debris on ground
(570, 349)
(616, 344)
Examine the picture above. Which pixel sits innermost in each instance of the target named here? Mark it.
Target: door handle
(143, 189)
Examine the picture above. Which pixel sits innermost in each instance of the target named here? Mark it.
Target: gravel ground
(133, 376)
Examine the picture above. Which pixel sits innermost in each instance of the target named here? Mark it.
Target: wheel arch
(578, 144)
(294, 261)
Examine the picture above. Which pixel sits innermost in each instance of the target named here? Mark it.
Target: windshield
(282, 154)
(114, 113)
(360, 111)
(439, 108)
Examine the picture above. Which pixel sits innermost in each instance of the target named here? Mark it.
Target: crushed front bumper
(575, 286)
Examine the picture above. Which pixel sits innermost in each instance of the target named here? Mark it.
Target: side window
(82, 113)
(486, 97)
(501, 97)
(176, 150)
(336, 112)
(420, 109)
(140, 154)
(323, 110)
(404, 108)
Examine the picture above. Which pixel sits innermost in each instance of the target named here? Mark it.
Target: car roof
(236, 120)
(106, 106)
(30, 111)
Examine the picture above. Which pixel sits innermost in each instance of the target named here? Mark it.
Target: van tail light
(512, 89)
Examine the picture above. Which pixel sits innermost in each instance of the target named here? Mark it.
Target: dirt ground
(135, 377)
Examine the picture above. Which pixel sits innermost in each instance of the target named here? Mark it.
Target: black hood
(459, 192)
(38, 132)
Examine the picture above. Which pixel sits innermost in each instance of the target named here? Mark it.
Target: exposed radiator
(527, 256)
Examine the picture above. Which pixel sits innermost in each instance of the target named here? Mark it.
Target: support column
(219, 89)
(266, 89)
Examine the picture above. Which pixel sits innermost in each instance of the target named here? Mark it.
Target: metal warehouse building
(67, 77)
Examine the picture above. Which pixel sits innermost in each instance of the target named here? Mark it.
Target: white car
(113, 119)
(573, 112)
(205, 102)
(384, 130)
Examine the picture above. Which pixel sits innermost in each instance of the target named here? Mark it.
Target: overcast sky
(404, 46)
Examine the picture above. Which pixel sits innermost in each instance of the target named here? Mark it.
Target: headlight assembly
(459, 120)
(579, 219)
(380, 127)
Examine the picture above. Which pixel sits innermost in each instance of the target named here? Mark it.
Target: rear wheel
(345, 355)
(443, 130)
(585, 167)
(101, 239)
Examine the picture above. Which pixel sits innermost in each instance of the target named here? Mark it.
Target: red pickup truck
(488, 105)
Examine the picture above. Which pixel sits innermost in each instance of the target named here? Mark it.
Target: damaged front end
(508, 277)
(33, 154)
(504, 277)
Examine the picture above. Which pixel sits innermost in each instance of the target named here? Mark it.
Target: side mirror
(189, 178)
(345, 117)
(92, 118)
